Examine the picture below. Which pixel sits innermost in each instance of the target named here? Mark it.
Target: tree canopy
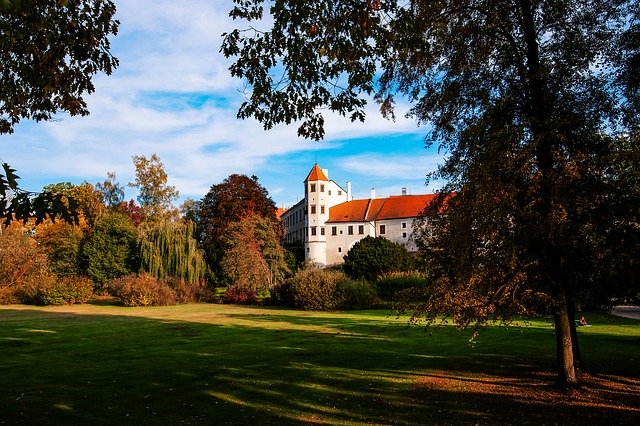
(528, 98)
(156, 197)
(49, 52)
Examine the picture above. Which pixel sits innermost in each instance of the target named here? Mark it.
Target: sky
(172, 95)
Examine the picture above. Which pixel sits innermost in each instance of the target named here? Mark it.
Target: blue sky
(172, 95)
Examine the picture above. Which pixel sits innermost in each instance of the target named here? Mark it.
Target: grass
(101, 364)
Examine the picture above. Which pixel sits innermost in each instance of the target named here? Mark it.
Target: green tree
(111, 250)
(169, 249)
(156, 197)
(372, 257)
(49, 51)
(226, 203)
(518, 93)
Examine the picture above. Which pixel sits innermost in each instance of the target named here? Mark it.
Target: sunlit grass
(229, 364)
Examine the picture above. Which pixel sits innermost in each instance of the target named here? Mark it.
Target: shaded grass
(228, 364)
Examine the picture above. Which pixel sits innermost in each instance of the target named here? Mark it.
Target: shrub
(282, 294)
(111, 250)
(189, 291)
(24, 268)
(372, 257)
(240, 296)
(68, 290)
(352, 294)
(390, 285)
(141, 290)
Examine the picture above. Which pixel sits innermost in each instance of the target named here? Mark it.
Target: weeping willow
(169, 249)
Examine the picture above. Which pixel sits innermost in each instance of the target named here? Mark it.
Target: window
(350, 230)
(383, 229)
(313, 231)
(334, 230)
(329, 192)
(360, 229)
(404, 225)
(321, 209)
(339, 192)
(313, 209)
(322, 230)
(313, 187)
(339, 249)
(321, 188)
(404, 235)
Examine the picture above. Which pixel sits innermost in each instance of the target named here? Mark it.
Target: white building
(327, 222)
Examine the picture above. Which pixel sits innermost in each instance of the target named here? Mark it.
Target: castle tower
(317, 191)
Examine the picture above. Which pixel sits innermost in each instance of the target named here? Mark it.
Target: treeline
(225, 247)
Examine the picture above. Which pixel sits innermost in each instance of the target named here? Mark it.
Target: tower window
(313, 187)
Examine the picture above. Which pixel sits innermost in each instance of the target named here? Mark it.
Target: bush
(323, 289)
(24, 268)
(146, 290)
(68, 290)
(390, 285)
(352, 294)
(141, 290)
(372, 257)
(111, 250)
(241, 296)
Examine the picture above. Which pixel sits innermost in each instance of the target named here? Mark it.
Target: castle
(327, 222)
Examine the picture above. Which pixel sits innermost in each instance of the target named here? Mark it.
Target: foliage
(141, 290)
(112, 192)
(86, 199)
(389, 285)
(50, 51)
(524, 96)
(253, 258)
(146, 290)
(21, 205)
(323, 289)
(225, 204)
(132, 210)
(62, 242)
(68, 291)
(355, 294)
(371, 257)
(156, 197)
(168, 249)
(111, 249)
(24, 268)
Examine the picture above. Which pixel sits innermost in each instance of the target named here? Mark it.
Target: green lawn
(100, 364)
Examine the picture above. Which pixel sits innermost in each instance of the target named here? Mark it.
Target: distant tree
(87, 199)
(111, 250)
(518, 93)
(156, 197)
(112, 192)
(49, 51)
(253, 259)
(169, 249)
(132, 210)
(62, 241)
(372, 257)
(225, 204)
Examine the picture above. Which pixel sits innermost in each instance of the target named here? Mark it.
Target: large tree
(156, 197)
(49, 52)
(522, 94)
(226, 203)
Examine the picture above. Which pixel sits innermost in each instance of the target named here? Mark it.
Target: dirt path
(626, 311)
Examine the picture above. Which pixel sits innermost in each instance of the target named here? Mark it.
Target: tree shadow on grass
(58, 367)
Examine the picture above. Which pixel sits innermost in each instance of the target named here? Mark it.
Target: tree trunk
(564, 348)
(577, 356)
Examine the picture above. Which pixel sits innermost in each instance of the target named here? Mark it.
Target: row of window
(298, 234)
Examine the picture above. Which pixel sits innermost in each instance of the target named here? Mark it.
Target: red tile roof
(316, 173)
(394, 207)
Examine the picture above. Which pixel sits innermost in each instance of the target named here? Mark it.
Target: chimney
(348, 191)
(373, 193)
(404, 190)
